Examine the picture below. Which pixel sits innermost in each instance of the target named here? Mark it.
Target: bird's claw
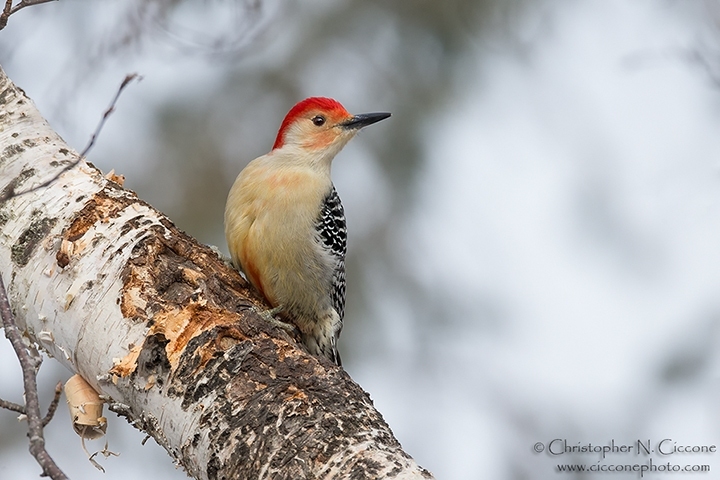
(269, 316)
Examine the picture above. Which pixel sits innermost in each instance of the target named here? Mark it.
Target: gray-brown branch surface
(158, 323)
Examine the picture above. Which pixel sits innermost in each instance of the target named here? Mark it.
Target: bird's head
(321, 126)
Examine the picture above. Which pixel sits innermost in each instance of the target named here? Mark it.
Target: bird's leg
(269, 316)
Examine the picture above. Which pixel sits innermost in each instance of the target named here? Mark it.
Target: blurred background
(533, 235)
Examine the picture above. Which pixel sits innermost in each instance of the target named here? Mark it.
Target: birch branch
(159, 324)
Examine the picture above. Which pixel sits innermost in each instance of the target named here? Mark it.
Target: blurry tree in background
(532, 236)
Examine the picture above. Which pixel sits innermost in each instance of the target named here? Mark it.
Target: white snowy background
(534, 234)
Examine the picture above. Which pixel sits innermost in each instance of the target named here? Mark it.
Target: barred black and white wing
(333, 233)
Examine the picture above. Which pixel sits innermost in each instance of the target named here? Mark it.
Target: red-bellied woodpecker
(285, 224)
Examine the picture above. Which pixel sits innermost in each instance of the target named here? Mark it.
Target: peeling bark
(157, 322)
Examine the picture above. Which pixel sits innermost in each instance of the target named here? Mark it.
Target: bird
(285, 224)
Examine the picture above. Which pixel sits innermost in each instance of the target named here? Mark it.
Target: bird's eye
(318, 120)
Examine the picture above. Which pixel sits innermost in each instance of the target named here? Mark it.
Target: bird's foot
(269, 316)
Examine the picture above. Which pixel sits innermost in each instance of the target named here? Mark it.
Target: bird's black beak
(363, 120)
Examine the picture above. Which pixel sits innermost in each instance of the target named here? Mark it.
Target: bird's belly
(289, 272)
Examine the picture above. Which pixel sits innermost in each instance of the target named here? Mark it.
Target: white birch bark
(109, 287)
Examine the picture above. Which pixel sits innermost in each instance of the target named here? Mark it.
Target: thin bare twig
(5, 14)
(12, 406)
(9, 9)
(128, 78)
(53, 405)
(9, 191)
(16, 407)
(28, 3)
(32, 402)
